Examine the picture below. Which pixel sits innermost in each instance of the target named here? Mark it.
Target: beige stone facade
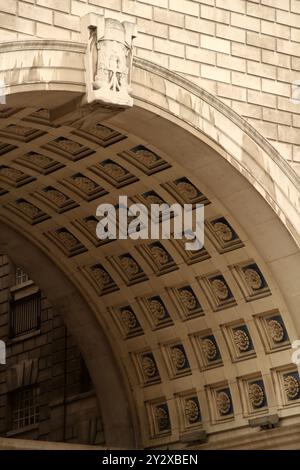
(184, 348)
(244, 52)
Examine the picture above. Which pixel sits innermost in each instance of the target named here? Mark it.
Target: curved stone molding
(60, 66)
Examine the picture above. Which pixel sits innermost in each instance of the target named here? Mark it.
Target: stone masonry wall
(68, 408)
(245, 52)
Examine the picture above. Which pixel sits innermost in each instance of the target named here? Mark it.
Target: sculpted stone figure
(109, 61)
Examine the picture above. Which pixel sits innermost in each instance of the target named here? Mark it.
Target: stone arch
(196, 136)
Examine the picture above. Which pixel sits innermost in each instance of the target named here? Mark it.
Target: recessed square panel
(128, 268)
(144, 159)
(272, 330)
(250, 280)
(222, 235)
(217, 291)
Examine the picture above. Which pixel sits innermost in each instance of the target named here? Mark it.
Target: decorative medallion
(192, 410)
(272, 331)
(158, 257)
(39, 162)
(55, 199)
(129, 323)
(253, 279)
(189, 256)
(217, 291)
(88, 225)
(66, 241)
(220, 289)
(162, 418)
(100, 134)
(68, 148)
(84, 186)
(128, 268)
(209, 349)
(149, 367)
(241, 340)
(222, 235)
(238, 340)
(157, 309)
(146, 367)
(176, 359)
(144, 159)
(14, 177)
(250, 280)
(186, 301)
(276, 330)
(101, 280)
(223, 399)
(185, 192)
(152, 197)
(28, 211)
(21, 133)
(206, 350)
(291, 386)
(256, 394)
(179, 358)
(115, 174)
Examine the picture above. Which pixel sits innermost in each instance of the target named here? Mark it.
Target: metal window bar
(25, 315)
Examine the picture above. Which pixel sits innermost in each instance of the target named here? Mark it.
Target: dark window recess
(24, 407)
(25, 315)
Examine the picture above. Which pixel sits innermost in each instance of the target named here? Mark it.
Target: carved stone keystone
(108, 60)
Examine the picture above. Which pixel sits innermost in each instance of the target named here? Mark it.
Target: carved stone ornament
(209, 349)
(108, 59)
(276, 331)
(256, 395)
(223, 402)
(192, 411)
(241, 340)
(291, 387)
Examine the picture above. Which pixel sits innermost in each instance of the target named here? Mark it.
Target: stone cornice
(223, 109)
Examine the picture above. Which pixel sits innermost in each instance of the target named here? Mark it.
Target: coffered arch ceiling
(192, 340)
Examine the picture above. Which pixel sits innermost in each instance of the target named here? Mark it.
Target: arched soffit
(134, 289)
(59, 66)
(80, 319)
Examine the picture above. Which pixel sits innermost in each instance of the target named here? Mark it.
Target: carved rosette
(256, 395)
(130, 266)
(179, 358)
(291, 387)
(160, 256)
(157, 309)
(253, 279)
(188, 299)
(223, 402)
(149, 367)
(162, 418)
(223, 231)
(209, 349)
(192, 410)
(129, 320)
(220, 289)
(241, 340)
(276, 330)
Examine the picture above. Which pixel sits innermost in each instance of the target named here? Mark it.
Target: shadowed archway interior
(176, 341)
